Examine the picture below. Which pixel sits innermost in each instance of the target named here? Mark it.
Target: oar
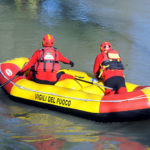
(95, 84)
(8, 81)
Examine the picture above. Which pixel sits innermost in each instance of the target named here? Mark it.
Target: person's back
(111, 64)
(45, 63)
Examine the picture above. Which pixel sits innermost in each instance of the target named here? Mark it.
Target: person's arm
(97, 65)
(64, 59)
(32, 61)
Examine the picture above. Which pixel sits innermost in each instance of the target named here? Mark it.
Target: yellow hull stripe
(70, 98)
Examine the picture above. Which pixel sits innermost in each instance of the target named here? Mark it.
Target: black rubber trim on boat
(125, 116)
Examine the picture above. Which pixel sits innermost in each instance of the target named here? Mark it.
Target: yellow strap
(102, 69)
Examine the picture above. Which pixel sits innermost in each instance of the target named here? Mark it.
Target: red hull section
(124, 102)
(9, 71)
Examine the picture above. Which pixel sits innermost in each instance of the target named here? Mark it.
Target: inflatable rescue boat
(82, 96)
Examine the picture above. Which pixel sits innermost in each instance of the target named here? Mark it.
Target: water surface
(78, 27)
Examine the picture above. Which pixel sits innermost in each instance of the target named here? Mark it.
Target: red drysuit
(44, 66)
(111, 71)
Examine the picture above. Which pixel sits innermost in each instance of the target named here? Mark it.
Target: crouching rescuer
(108, 67)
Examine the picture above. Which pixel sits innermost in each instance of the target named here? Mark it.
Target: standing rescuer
(44, 64)
(108, 66)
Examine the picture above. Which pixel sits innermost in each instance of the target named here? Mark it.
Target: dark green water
(78, 27)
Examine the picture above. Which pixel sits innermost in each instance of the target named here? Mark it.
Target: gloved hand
(71, 63)
(19, 73)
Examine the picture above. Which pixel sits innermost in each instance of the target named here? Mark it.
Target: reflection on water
(27, 5)
(31, 128)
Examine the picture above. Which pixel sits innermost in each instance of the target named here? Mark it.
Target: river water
(79, 26)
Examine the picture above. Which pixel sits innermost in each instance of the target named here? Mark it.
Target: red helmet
(48, 40)
(106, 46)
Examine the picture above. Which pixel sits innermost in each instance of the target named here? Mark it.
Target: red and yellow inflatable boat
(78, 97)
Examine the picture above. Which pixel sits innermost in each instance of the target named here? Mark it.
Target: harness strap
(40, 59)
(114, 64)
(47, 61)
(111, 63)
(55, 49)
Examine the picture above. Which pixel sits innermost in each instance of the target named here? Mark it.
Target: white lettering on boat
(8, 72)
(52, 100)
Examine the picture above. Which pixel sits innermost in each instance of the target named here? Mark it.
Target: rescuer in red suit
(108, 66)
(44, 64)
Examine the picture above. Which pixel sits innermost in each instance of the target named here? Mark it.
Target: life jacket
(48, 61)
(112, 61)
